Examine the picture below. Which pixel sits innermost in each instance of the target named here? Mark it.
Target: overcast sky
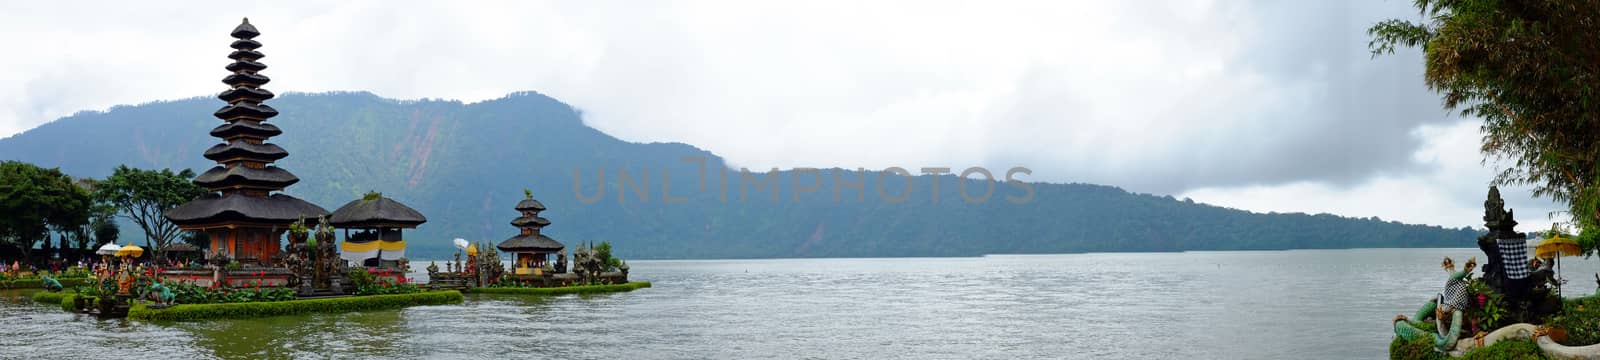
(1259, 105)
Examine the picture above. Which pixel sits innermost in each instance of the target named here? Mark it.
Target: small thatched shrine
(378, 221)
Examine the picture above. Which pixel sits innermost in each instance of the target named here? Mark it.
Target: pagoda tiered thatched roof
(530, 243)
(244, 179)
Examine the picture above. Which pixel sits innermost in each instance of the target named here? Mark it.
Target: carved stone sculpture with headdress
(561, 262)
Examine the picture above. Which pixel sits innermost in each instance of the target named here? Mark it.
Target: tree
(35, 200)
(101, 227)
(1530, 70)
(144, 196)
(104, 228)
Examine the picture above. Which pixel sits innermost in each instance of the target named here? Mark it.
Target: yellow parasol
(130, 250)
(1557, 246)
(1554, 248)
(472, 250)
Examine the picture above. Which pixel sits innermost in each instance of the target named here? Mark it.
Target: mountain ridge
(465, 164)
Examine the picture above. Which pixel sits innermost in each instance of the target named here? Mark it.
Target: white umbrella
(462, 243)
(108, 249)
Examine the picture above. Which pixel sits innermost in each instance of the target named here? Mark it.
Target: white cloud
(1449, 193)
(1154, 96)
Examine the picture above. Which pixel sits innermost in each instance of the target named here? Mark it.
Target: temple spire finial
(245, 31)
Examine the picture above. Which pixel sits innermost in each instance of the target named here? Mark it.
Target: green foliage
(52, 298)
(603, 251)
(1493, 308)
(360, 277)
(104, 227)
(36, 283)
(299, 227)
(1420, 348)
(1528, 69)
(145, 195)
(193, 294)
(368, 283)
(35, 200)
(190, 312)
(1507, 350)
(1581, 319)
(581, 289)
(69, 302)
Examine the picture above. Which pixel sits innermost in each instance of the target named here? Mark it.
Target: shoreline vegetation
(243, 310)
(561, 290)
(191, 312)
(39, 283)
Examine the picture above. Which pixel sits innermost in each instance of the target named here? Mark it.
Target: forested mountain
(465, 165)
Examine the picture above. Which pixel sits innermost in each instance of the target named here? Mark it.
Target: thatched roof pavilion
(380, 220)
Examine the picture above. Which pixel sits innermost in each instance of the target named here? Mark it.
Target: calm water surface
(1219, 305)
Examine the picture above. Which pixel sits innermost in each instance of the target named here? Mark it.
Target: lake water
(1215, 305)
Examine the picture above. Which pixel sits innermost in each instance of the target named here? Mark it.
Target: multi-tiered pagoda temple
(532, 248)
(243, 215)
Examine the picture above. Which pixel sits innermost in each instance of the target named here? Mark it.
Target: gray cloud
(1153, 96)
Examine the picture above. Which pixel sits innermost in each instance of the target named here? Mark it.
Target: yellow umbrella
(1557, 246)
(1554, 248)
(472, 250)
(130, 250)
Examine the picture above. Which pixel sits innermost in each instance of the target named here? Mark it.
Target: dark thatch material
(245, 31)
(378, 212)
(530, 243)
(246, 55)
(267, 177)
(246, 79)
(257, 94)
(245, 66)
(245, 44)
(246, 109)
(525, 221)
(246, 128)
(258, 152)
(214, 208)
(530, 204)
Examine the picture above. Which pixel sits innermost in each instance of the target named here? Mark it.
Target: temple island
(247, 218)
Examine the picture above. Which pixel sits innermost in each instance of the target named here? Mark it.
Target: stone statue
(561, 262)
(1507, 268)
(160, 294)
(326, 254)
(1452, 301)
(50, 283)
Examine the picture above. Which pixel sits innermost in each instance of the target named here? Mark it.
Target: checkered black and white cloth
(1454, 296)
(1514, 257)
